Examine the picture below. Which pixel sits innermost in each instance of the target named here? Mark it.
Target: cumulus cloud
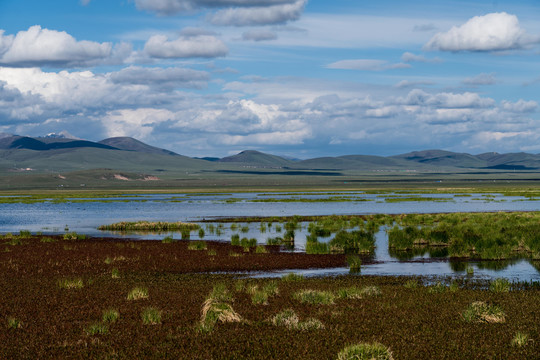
(491, 32)
(447, 100)
(259, 35)
(481, 79)
(252, 16)
(366, 65)
(185, 46)
(44, 47)
(521, 106)
(163, 77)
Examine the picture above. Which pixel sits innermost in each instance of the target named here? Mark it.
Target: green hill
(130, 144)
(257, 159)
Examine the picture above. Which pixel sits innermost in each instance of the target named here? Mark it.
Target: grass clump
(499, 285)
(520, 339)
(292, 277)
(197, 245)
(354, 263)
(71, 283)
(47, 239)
(201, 233)
(14, 323)
(316, 247)
(411, 284)
(212, 252)
(115, 273)
(110, 315)
(365, 351)
(289, 319)
(74, 236)
(217, 308)
(261, 250)
(25, 234)
(314, 297)
(151, 316)
(235, 240)
(168, 240)
(483, 312)
(138, 293)
(97, 329)
(354, 292)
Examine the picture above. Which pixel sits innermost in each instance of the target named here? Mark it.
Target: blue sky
(302, 78)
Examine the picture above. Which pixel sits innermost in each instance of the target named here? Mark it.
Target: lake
(84, 215)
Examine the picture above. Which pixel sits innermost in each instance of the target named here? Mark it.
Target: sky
(300, 78)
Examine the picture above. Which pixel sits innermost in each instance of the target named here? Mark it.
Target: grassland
(187, 312)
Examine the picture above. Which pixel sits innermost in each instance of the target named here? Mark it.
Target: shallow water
(85, 216)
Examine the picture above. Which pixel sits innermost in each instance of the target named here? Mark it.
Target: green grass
(292, 277)
(149, 226)
(138, 293)
(47, 239)
(354, 263)
(217, 308)
(520, 339)
(168, 240)
(110, 315)
(74, 236)
(365, 351)
(314, 297)
(198, 245)
(289, 319)
(71, 283)
(97, 329)
(151, 316)
(235, 240)
(499, 285)
(483, 312)
(13, 323)
(315, 247)
(115, 273)
(212, 252)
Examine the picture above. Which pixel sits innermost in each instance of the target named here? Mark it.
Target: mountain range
(55, 153)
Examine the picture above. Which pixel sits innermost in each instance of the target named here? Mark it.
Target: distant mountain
(443, 158)
(28, 143)
(207, 158)
(257, 159)
(130, 144)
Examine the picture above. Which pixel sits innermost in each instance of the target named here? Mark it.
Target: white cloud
(166, 77)
(481, 79)
(521, 106)
(206, 46)
(366, 65)
(408, 83)
(136, 123)
(249, 16)
(410, 57)
(271, 138)
(491, 32)
(44, 47)
(259, 35)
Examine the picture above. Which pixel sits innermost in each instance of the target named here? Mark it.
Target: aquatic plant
(201, 233)
(500, 285)
(235, 240)
(364, 351)
(315, 247)
(354, 263)
(358, 241)
(149, 226)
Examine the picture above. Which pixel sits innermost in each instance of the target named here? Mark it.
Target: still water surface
(85, 216)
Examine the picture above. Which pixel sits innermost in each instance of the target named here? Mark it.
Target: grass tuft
(71, 283)
(292, 277)
(520, 339)
(138, 294)
(13, 323)
(197, 245)
(314, 297)
(97, 329)
(110, 315)
(480, 311)
(365, 351)
(151, 316)
(500, 285)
